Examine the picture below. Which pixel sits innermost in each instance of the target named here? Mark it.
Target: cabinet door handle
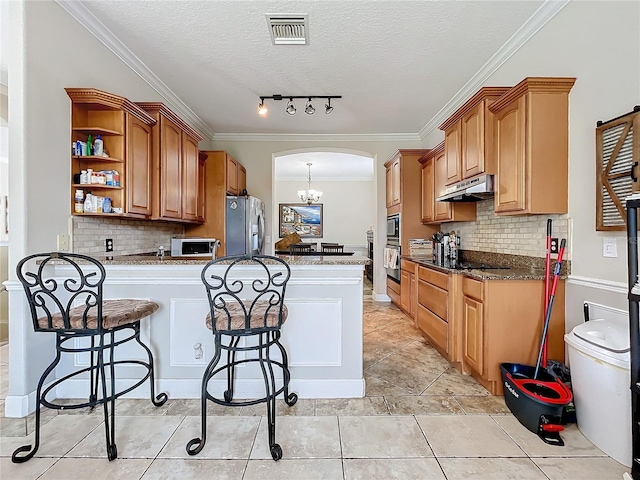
(634, 179)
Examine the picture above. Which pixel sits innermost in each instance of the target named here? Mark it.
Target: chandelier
(309, 196)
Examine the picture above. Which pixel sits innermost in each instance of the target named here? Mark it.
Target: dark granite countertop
(516, 271)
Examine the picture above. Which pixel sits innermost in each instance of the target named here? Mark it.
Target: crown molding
(325, 137)
(89, 21)
(539, 19)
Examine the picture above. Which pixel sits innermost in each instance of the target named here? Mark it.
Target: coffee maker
(445, 248)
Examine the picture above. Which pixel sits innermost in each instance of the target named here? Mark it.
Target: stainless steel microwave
(194, 247)
(393, 226)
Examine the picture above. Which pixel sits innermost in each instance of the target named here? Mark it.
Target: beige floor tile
(307, 469)
(452, 382)
(303, 407)
(1, 408)
(467, 436)
(136, 437)
(133, 406)
(575, 444)
(27, 471)
(423, 405)
(603, 468)
(57, 437)
(4, 354)
(411, 374)
(351, 406)
(193, 468)
(227, 437)
(300, 437)
(97, 469)
(477, 405)
(97, 410)
(490, 469)
(421, 351)
(191, 408)
(46, 415)
(382, 437)
(13, 427)
(392, 468)
(376, 387)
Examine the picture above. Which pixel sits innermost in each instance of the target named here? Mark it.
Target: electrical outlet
(554, 245)
(108, 243)
(63, 243)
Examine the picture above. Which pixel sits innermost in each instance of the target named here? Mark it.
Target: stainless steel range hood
(470, 190)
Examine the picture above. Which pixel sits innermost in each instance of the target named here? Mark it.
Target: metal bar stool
(72, 307)
(236, 317)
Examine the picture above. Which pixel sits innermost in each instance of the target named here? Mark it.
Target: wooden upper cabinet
(170, 169)
(428, 191)
(138, 166)
(452, 151)
(448, 211)
(175, 169)
(126, 132)
(202, 175)
(389, 187)
(531, 139)
(242, 178)
(469, 136)
(232, 176)
(190, 182)
(396, 182)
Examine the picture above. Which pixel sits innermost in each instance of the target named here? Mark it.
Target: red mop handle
(547, 284)
(556, 276)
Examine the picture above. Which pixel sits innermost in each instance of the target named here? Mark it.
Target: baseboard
(381, 297)
(608, 285)
(18, 406)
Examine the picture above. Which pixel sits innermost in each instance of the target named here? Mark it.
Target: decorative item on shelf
(309, 109)
(309, 195)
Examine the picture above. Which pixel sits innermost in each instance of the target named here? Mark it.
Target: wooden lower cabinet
(393, 290)
(502, 322)
(408, 293)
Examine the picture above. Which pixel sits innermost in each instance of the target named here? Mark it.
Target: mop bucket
(537, 403)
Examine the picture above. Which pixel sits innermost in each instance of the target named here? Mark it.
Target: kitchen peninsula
(322, 335)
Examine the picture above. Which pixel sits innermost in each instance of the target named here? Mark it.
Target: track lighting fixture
(309, 109)
(327, 107)
(291, 107)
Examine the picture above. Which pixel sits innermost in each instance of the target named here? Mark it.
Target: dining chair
(246, 299)
(65, 296)
(299, 248)
(332, 248)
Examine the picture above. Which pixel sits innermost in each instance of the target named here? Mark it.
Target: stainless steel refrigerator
(244, 232)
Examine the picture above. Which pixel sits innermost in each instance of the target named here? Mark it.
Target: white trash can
(600, 363)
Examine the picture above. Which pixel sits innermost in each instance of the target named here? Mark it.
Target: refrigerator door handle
(260, 233)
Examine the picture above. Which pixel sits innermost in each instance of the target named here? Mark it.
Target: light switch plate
(63, 243)
(609, 247)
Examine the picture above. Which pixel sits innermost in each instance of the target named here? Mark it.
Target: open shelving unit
(633, 203)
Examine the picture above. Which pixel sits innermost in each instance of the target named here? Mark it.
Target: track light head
(309, 109)
(262, 108)
(291, 107)
(327, 107)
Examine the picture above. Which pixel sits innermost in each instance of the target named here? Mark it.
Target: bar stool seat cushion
(238, 316)
(114, 313)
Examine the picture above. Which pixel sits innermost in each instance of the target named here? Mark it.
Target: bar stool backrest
(246, 301)
(52, 298)
(299, 247)
(333, 248)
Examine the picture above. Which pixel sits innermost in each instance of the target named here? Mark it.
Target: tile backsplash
(129, 236)
(512, 234)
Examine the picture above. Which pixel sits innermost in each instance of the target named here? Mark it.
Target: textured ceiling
(396, 63)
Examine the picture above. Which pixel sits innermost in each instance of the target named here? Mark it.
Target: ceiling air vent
(288, 29)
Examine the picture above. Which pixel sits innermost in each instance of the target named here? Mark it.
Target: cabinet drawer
(473, 288)
(434, 298)
(407, 265)
(433, 276)
(393, 286)
(433, 327)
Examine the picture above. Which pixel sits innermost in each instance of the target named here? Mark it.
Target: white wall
(348, 209)
(48, 51)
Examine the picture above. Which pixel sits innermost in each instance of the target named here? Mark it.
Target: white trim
(89, 21)
(18, 406)
(329, 137)
(380, 297)
(539, 19)
(244, 388)
(608, 285)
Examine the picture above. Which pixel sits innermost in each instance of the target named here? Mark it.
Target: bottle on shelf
(79, 203)
(83, 177)
(89, 145)
(88, 203)
(98, 146)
